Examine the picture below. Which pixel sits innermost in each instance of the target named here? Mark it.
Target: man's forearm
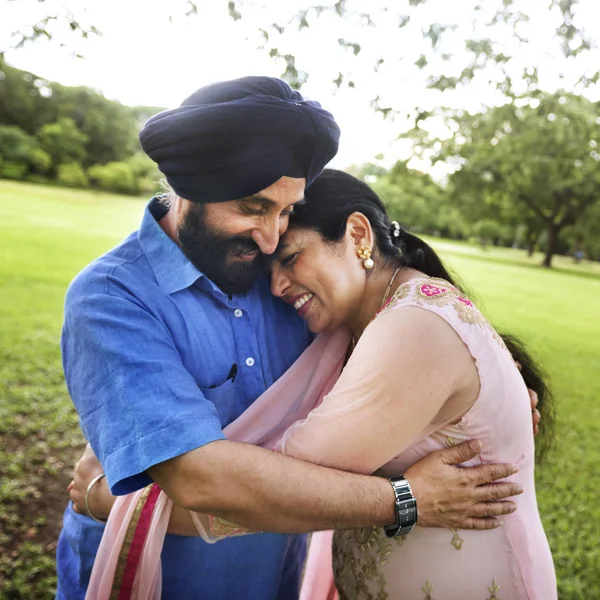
(266, 491)
(239, 491)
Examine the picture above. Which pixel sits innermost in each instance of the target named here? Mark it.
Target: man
(174, 333)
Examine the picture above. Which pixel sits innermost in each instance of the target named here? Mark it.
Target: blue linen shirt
(158, 360)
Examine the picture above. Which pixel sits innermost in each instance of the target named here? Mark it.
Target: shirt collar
(173, 271)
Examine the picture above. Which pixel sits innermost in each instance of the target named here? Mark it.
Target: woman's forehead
(294, 238)
(296, 235)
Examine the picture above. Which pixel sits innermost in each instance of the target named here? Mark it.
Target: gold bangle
(87, 493)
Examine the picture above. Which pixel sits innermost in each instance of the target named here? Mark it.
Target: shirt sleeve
(392, 392)
(137, 403)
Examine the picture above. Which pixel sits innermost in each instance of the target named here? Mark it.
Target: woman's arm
(101, 501)
(408, 370)
(448, 496)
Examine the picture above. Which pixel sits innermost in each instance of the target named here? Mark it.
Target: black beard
(212, 253)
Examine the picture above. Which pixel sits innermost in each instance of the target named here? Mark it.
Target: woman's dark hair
(335, 195)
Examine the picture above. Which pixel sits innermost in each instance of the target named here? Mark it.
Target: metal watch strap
(406, 508)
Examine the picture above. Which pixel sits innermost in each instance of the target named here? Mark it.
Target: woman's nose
(280, 284)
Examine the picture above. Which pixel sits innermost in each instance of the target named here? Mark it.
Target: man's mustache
(241, 245)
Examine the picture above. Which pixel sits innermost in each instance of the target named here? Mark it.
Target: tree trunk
(553, 231)
(530, 249)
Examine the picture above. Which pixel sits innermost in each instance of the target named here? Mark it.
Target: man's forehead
(284, 187)
(276, 199)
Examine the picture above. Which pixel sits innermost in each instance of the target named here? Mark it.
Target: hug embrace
(271, 356)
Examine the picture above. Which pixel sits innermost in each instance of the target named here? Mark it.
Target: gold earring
(364, 252)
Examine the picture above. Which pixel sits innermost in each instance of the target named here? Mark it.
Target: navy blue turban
(232, 139)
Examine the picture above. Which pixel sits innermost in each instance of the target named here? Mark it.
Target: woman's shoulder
(428, 290)
(442, 297)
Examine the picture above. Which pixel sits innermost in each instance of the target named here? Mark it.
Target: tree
(486, 231)
(110, 128)
(15, 149)
(533, 161)
(40, 160)
(25, 99)
(413, 198)
(15, 144)
(30, 102)
(583, 239)
(72, 175)
(146, 173)
(114, 177)
(63, 142)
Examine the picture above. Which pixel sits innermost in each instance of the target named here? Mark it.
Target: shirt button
(238, 312)
(249, 361)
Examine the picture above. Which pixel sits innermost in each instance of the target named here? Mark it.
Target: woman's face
(323, 281)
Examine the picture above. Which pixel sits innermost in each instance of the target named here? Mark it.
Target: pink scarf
(127, 566)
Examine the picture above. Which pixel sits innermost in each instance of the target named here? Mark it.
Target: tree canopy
(44, 125)
(506, 104)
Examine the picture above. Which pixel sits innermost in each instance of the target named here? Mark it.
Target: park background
(478, 122)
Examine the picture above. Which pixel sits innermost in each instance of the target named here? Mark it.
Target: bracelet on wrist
(87, 494)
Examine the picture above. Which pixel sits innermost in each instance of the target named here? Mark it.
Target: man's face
(228, 241)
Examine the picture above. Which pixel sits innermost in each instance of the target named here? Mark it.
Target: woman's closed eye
(288, 261)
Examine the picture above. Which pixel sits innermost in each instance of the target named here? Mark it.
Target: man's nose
(267, 236)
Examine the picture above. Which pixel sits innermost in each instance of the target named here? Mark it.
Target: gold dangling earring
(364, 252)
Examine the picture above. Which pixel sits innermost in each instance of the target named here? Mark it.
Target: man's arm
(265, 491)
(283, 498)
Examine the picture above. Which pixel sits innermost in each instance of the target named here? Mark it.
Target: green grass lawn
(48, 234)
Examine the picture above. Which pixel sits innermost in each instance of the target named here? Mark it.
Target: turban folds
(232, 139)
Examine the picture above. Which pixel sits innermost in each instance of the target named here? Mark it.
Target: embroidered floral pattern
(219, 527)
(493, 589)
(358, 555)
(431, 290)
(456, 540)
(427, 589)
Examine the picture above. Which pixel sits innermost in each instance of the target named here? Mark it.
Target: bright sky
(142, 58)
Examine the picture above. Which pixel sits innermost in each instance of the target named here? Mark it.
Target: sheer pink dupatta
(128, 566)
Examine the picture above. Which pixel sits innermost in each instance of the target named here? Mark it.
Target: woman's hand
(100, 500)
(533, 398)
(535, 413)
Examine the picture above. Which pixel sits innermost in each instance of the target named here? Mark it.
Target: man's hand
(467, 498)
(100, 499)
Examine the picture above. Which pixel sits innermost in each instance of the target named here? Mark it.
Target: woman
(424, 369)
(427, 370)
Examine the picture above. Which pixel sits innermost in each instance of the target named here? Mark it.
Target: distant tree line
(72, 136)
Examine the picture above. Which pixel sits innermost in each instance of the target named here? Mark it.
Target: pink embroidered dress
(354, 429)
(350, 419)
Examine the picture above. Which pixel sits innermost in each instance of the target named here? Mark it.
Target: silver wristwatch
(406, 508)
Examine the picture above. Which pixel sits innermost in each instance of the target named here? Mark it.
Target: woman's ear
(359, 230)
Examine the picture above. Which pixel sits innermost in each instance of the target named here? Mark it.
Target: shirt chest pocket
(224, 398)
